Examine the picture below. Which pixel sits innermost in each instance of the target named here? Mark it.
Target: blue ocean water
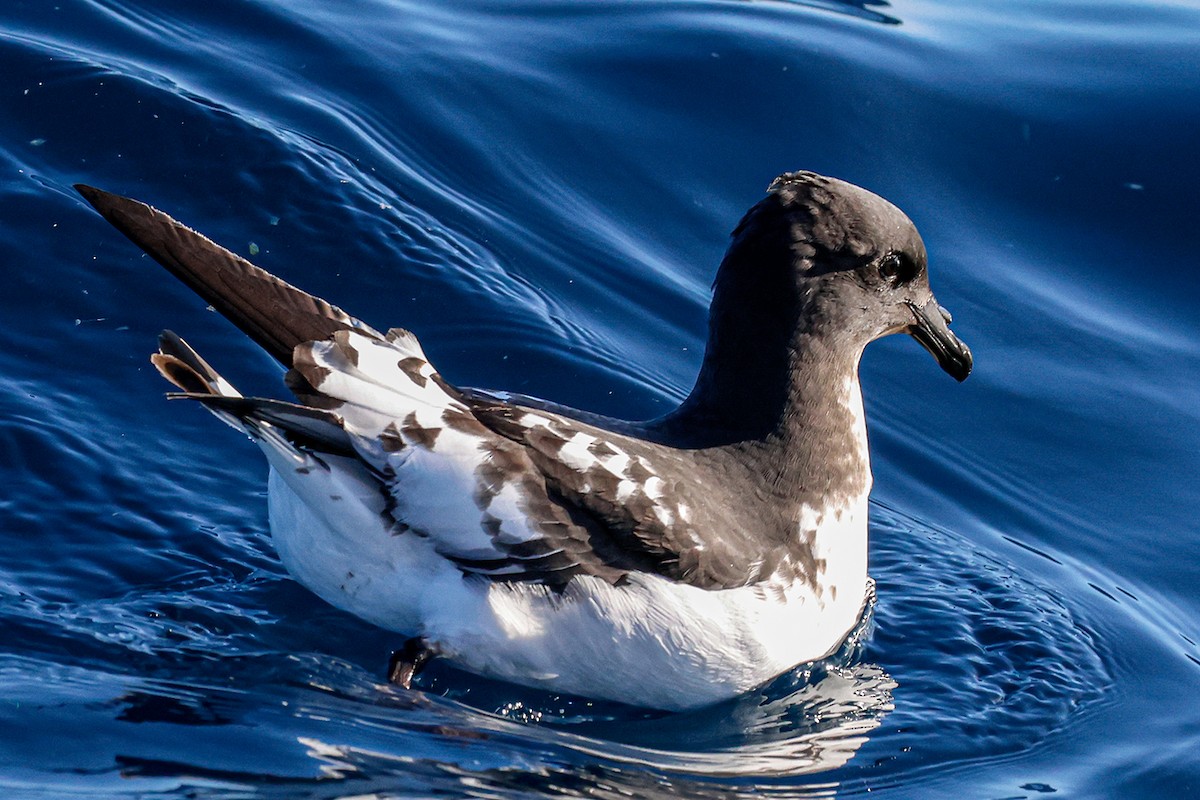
(542, 189)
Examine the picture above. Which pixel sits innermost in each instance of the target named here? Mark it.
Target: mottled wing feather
(641, 507)
(477, 496)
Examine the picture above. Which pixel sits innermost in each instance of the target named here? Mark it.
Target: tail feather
(300, 425)
(272, 312)
(181, 365)
(307, 427)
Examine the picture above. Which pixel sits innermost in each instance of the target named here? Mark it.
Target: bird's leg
(409, 660)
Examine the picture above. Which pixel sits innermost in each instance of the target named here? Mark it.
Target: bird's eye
(893, 269)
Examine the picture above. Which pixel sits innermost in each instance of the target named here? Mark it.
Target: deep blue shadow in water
(542, 191)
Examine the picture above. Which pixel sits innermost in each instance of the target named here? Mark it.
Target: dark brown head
(816, 270)
(821, 254)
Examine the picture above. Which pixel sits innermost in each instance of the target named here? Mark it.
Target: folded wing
(505, 493)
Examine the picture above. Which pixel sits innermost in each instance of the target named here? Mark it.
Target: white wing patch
(425, 442)
(575, 452)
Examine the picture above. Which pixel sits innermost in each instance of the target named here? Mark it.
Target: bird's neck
(760, 383)
(791, 408)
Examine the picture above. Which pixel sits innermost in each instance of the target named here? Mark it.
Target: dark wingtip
(97, 197)
(271, 311)
(119, 210)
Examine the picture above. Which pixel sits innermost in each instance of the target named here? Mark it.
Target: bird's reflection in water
(761, 747)
(810, 721)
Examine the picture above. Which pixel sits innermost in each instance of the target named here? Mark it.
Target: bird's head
(835, 256)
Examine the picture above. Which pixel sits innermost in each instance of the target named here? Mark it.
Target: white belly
(657, 643)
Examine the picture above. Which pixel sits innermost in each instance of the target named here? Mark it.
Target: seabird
(670, 563)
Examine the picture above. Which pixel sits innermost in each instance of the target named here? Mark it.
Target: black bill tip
(931, 328)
